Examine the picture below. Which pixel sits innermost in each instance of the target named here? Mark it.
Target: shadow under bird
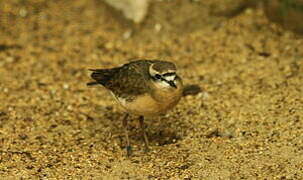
(143, 87)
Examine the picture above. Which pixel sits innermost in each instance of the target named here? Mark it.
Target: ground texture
(245, 124)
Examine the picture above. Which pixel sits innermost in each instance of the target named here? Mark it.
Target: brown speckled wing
(126, 81)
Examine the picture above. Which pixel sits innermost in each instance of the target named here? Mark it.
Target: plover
(143, 87)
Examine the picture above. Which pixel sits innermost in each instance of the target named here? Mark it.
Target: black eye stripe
(169, 74)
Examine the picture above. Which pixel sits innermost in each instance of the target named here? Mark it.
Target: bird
(145, 88)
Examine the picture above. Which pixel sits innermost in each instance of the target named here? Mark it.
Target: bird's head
(164, 75)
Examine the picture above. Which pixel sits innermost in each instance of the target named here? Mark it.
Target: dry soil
(245, 124)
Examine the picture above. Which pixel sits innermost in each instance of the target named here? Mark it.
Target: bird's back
(126, 81)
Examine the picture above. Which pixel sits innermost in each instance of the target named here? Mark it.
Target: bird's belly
(147, 106)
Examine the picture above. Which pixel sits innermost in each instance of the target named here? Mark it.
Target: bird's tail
(101, 76)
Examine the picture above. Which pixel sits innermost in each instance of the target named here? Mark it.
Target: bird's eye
(158, 76)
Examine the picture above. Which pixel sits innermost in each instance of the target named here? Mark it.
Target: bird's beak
(172, 84)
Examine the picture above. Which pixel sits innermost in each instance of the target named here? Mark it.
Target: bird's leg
(125, 126)
(142, 126)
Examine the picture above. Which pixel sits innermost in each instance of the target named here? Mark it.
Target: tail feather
(101, 76)
(92, 83)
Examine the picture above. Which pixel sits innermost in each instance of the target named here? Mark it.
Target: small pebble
(158, 27)
(65, 86)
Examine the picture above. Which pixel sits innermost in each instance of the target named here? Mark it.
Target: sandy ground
(245, 124)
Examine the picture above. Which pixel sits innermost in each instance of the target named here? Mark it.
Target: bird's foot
(128, 151)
